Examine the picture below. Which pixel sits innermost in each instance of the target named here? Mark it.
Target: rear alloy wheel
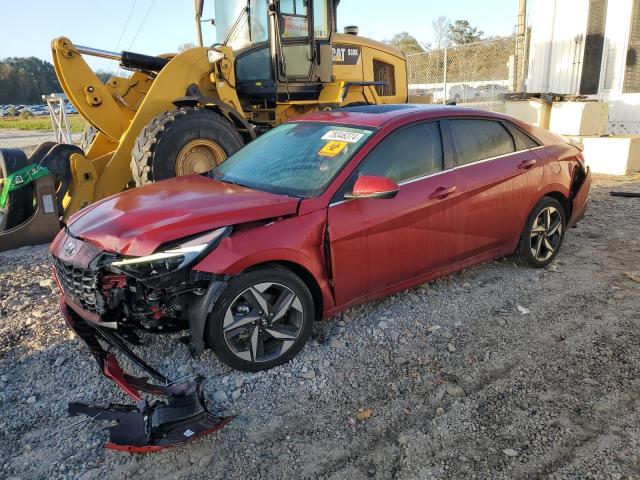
(263, 319)
(543, 235)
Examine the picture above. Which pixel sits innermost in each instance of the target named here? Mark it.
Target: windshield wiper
(236, 24)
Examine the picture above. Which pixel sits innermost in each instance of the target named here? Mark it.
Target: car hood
(136, 222)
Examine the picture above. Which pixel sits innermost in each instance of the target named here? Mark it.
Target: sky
(160, 26)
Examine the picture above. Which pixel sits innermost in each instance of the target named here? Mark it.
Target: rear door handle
(527, 164)
(442, 192)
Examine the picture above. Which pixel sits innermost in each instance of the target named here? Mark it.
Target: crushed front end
(106, 299)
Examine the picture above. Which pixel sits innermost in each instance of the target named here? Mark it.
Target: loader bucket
(31, 192)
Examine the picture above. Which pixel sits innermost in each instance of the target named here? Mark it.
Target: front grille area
(81, 285)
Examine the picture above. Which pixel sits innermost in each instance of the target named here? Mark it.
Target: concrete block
(534, 111)
(613, 155)
(579, 118)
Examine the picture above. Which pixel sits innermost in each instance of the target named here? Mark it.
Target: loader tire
(181, 142)
(20, 203)
(88, 136)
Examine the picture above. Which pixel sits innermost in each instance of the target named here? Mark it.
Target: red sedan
(319, 214)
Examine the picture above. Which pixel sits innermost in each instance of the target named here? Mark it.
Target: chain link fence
(479, 73)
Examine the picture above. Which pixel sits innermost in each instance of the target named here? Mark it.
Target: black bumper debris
(143, 427)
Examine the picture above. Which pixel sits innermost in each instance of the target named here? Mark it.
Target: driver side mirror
(369, 186)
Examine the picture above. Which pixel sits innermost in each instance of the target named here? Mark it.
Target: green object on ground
(19, 179)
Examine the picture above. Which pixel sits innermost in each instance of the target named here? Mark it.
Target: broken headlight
(170, 259)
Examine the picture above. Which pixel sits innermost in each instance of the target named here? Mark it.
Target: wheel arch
(564, 201)
(305, 275)
(195, 99)
(554, 191)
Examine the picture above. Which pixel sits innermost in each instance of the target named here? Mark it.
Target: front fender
(295, 240)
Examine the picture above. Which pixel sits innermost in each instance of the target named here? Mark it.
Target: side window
(477, 140)
(523, 141)
(409, 153)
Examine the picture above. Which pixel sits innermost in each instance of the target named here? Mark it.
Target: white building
(589, 47)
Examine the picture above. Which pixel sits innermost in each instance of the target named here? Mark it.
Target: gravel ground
(496, 372)
(28, 140)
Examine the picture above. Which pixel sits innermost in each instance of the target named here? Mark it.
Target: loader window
(293, 7)
(254, 66)
(233, 25)
(320, 19)
(295, 20)
(298, 60)
(383, 72)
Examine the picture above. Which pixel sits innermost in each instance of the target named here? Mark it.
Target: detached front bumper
(580, 197)
(145, 427)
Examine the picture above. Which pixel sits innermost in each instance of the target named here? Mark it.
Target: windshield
(251, 28)
(295, 159)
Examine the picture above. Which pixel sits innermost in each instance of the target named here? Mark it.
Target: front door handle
(527, 164)
(442, 192)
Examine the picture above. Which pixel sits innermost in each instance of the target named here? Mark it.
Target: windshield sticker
(332, 149)
(343, 136)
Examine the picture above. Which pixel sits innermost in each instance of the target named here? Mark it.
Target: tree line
(24, 80)
(445, 33)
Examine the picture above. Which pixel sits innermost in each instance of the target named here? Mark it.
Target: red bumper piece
(144, 427)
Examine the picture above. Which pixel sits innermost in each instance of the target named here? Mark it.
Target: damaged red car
(319, 214)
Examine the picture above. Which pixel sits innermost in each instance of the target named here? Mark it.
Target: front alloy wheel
(263, 322)
(262, 319)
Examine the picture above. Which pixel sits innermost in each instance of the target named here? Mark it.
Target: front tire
(262, 319)
(182, 142)
(543, 234)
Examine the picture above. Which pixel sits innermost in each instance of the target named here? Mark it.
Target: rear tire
(181, 142)
(280, 332)
(543, 234)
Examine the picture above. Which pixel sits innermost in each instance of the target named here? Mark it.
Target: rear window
(523, 141)
(477, 140)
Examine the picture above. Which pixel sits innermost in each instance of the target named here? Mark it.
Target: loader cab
(282, 48)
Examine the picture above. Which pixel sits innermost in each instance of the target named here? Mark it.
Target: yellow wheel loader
(184, 113)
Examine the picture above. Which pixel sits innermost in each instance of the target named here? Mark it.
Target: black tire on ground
(88, 136)
(532, 248)
(214, 332)
(158, 145)
(20, 201)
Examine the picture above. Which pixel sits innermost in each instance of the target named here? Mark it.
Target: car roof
(378, 115)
